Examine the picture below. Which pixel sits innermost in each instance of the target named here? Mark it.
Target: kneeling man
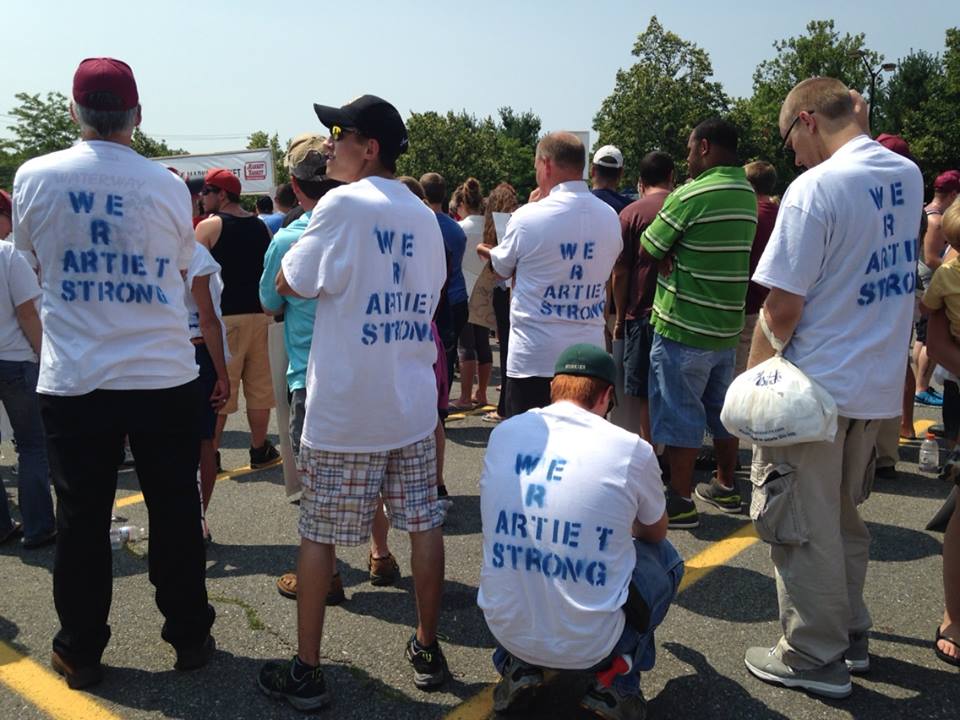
(577, 572)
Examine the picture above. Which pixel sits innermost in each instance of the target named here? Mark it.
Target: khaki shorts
(249, 362)
(341, 492)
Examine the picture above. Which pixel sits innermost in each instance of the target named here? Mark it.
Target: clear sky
(212, 72)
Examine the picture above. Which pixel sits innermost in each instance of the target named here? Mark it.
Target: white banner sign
(253, 167)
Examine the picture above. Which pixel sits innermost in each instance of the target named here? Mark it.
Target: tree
(458, 146)
(42, 125)
(260, 140)
(821, 52)
(151, 147)
(659, 99)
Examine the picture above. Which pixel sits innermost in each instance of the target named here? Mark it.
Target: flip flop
(491, 417)
(460, 408)
(940, 653)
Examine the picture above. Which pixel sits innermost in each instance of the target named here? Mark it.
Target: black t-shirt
(612, 198)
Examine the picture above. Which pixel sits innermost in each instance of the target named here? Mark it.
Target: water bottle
(929, 454)
(120, 536)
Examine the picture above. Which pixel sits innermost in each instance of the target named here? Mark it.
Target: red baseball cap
(6, 204)
(223, 179)
(948, 181)
(105, 84)
(895, 143)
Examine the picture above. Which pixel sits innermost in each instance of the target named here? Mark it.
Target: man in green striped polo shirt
(702, 237)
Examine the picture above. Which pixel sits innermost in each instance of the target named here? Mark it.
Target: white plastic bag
(774, 404)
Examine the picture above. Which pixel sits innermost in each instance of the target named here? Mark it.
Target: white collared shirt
(562, 249)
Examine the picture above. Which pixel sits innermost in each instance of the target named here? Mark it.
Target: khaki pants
(278, 375)
(804, 504)
(888, 443)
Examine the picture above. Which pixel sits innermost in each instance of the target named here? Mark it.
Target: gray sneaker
(856, 657)
(611, 705)
(516, 688)
(831, 681)
(727, 499)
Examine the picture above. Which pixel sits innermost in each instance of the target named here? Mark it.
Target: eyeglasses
(337, 132)
(209, 189)
(790, 129)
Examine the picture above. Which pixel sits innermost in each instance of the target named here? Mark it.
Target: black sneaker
(610, 704)
(300, 685)
(264, 456)
(681, 512)
(195, 656)
(727, 499)
(429, 665)
(516, 689)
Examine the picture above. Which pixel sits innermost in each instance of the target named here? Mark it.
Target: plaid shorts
(341, 491)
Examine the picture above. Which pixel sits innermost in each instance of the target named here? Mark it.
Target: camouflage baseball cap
(306, 158)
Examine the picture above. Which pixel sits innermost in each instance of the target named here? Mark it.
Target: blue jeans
(687, 389)
(657, 576)
(18, 393)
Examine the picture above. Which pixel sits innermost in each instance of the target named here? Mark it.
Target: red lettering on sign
(255, 170)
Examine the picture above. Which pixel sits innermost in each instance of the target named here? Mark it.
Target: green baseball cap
(588, 361)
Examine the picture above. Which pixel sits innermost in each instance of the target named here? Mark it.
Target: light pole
(874, 74)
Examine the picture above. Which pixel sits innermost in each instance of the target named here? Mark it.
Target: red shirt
(642, 270)
(766, 219)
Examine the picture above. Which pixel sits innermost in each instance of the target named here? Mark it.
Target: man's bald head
(828, 98)
(564, 150)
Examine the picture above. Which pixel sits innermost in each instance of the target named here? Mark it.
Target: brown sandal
(287, 585)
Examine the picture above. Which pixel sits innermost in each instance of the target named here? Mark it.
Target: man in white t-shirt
(560, 250)
(841, 268)
(20, 334)
(577, 572)
(112, 233)
(372, 255)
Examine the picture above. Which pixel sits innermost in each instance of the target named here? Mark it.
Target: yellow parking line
(480, 706)
(45, 690)
(138, 497)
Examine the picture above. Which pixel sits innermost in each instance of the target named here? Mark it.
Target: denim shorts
(687, 388)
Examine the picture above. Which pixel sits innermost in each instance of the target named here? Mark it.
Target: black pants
(501, 309)
(83, 434)
(527, 393)
(951, 411)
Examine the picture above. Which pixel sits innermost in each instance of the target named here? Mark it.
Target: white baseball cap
(608, 156)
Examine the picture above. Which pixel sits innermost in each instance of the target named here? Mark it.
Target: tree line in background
(654, 105)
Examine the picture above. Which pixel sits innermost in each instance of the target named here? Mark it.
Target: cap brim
(330, 116)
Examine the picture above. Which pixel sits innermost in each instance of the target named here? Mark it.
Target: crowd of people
(159, 297)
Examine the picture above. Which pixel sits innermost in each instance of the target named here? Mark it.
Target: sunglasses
(337, 132)
(209, 189)
(790, 129)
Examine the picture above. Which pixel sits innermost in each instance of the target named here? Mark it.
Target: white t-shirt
(373, 257)
(846, 239)
(21, 285)
(559, 492)
(203, 264)
(111, 231)
(562, 249)
(473, 264)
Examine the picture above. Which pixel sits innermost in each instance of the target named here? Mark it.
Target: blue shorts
(687, 388)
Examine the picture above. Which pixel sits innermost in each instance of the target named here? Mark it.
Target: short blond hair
(950, 224)
(762, 175)
(827, 97)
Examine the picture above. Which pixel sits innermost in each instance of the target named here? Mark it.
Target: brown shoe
(77, 676)
(383, 571)
(287, 586)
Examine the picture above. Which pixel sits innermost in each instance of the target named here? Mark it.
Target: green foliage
(259, 140)
(43, 125)
(659, 99)
(458, 146)
(150, 147)
(822, 51)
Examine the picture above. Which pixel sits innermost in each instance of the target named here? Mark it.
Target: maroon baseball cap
(223, 179)
(6, 204)
(948, 181)
(895, 143)
(105, 84)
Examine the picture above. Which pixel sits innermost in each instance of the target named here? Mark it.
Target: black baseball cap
(372, 117)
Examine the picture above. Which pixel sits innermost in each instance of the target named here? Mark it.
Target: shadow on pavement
(469, 436)
(756, 596)
(911, 484)
(897, 544)
(705, 693)
(464, 517)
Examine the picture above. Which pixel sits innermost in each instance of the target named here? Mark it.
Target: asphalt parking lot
(728, 602)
